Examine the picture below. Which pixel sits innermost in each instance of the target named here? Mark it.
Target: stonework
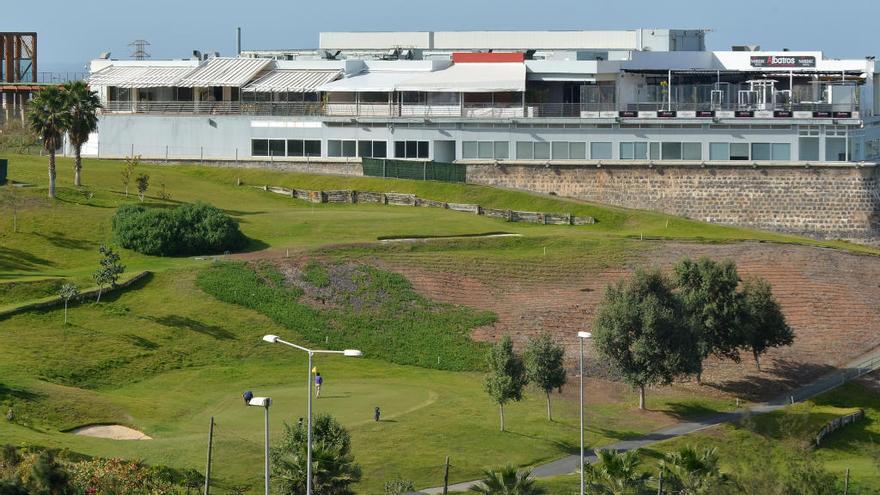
(833, 201)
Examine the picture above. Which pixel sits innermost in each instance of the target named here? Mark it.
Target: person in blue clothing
(319, 380)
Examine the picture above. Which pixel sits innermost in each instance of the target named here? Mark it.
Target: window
(300, 147)
(600, 151)
(524, 150)
(339, 148)
(276, 147)
(542, 150)
(485, 149)
(808, 148)
(760, 151)
(468, 149)
(577, 150)
(560, 150)
(835, 149)
(691, 151)
(633, 151)
(671, 151)
(411, 149)
(502, 150)
(739, 151)
(259, 147)
(372, 149)
(654, 151)
(719, 151)
(780, 151)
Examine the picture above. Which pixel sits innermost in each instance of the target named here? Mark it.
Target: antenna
(138, 50)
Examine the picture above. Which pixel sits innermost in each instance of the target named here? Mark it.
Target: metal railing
(467, 110)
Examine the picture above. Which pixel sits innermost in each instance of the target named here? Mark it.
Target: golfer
(319, 380)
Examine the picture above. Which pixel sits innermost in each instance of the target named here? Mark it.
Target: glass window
(719, 151)
(412, 149)
(422, 149)
(365, 149)
(626, 151)
(312, 147)
(671, 151)
(294, 147)
(485, 150)
(334, 147)
(600, 151)
(808, 149)
(400, 149)
(655, 151)
(781, 151)
(259, 147)
(524, 150)
(692, 151)
(468, 149)
(739, 151)
(502, 150)
(380, 149)
(349, 148)
(835, 149)
(276, 147)
(760, 151)
(577, 151)
(560, 150)
(542, 150)
(640, 151)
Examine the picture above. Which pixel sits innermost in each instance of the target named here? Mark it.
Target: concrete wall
(829, 201)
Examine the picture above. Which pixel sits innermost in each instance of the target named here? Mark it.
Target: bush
(189, 229)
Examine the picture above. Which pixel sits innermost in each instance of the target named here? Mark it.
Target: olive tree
(640, 330)
(544, 365)
(506, 377)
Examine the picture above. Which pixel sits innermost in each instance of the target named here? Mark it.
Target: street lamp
(263, 402)
(582, 336)
(274, 339)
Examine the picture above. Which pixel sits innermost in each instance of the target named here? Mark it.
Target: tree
(507, 481)
(83, 105)
(506, 377)
(109, 270)
(544, 365)
(333, 466)
(712, 306)
(49, 118)
(131, 163)
(143, 183)
(67, 292)
(640, 330)
(617, 473)
(764, 326)
(694, 473)
(15, 200)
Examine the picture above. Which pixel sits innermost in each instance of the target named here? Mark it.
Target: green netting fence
(415, 170)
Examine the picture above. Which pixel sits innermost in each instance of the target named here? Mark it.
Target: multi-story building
(495, 96)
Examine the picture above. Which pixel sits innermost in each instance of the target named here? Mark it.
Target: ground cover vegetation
(165, 356)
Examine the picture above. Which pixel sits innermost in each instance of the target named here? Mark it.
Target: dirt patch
(113, 432)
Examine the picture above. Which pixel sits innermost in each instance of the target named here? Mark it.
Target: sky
(70, 33)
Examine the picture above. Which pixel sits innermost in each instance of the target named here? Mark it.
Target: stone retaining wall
(822, 201)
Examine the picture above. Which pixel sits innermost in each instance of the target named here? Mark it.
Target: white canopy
(235, 72)
(374, 81)
(301, 81)
(470, 78)
(138, 77)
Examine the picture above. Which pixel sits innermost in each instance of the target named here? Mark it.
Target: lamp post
(582, 336)
(274, 339)
(263, 402)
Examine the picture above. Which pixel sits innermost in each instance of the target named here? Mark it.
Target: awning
(234, 72)
(299, 81)
(561, 76)
(470, 78)
(138, 77)
(377, 81)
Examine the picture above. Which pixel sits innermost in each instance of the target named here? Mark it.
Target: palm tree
(84, 105)
(49, 117)
(694, 473)
(617, 473)
(507, 481)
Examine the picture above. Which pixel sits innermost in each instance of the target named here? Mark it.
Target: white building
(566, 96)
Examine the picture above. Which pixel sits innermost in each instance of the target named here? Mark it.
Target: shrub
(189, 229)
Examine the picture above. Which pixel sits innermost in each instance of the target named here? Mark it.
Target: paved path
(865, 364)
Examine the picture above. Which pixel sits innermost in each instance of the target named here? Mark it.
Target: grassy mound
(354, 306)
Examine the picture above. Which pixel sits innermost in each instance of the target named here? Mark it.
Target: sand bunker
(113, 432)
(447, 237)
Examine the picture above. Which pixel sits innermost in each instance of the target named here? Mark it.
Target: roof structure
(139, 77)
(303, 80)
(470, 78)
(234, 72)
(372, 81)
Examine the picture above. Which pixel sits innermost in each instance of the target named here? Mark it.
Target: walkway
(861, 366)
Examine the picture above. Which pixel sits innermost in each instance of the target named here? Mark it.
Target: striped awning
(296, 81)
(139, 77)
(234, 72)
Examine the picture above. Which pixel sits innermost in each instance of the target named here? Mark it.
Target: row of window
(529, 150)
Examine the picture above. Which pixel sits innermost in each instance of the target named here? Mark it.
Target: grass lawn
(165, 356)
